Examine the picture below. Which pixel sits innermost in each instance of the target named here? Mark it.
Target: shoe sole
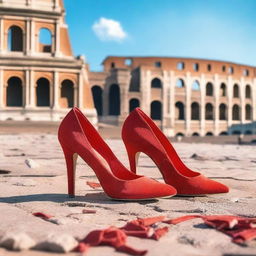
(141, 199)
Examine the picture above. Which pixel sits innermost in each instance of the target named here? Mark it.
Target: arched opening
(114, 100)
(14, 92)
(133, 103)
(209, 89)
(135, 81)
(248, 92)
(180, 65)
(195, 86)
(222, 112)
(15, 39)
(180, 83)
(209, 134)
(156, 110)
(235, 112)
(179, 113)
(223, 90)
(179, 134)
(97, 98)
(248, 112)
(208, 111)
(236, 91)
(156, 83)
(67, 93)
(43, 92)
(195, 112)
(45, 40)
(223, 134)
(248, 132)
(195, 134)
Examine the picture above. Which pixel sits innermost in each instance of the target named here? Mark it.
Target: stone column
(56, 89)
(202, 105)
(188, 103)
(1, 88)
(31, 89)
(216, 104)
(57, 39)
(172, 99)
(105, 99)
(80, 90)
(32, 38)
(26, 96)
(28, 34)
(145, 91)
(242, 99)
(230, 97)
(1, 35)
(124, 106)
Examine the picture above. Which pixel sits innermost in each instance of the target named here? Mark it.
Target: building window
(156, 83)
(209, 67)
(247, 92)
(223, 90)
(180, 83)
(158, 64)
(15, 39)
(209, 89)
(113, 65)
(246, 72)
(231, 70)
(196, 67)
(180, 65)
(195, 86)
(45, 40)
(236, 91)
(128, 62)
(223, 68)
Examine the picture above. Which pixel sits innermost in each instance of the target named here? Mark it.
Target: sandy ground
(26, 190)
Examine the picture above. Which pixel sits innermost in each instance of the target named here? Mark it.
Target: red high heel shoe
(140, 134)
(77, 136)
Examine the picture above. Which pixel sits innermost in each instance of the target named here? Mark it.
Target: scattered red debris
(42, 215)
(93, 185)
(241, 229)
(112, 236)
(88, 211)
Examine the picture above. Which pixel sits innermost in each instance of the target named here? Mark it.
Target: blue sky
(216, 29)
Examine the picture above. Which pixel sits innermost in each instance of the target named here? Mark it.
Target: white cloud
(109, 30)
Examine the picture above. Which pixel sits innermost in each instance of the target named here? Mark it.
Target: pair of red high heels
(77, 136)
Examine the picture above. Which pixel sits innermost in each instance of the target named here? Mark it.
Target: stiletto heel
(77, 136)
(133, 156)
(140, 134)
(71, 160)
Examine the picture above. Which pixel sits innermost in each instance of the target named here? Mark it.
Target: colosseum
(40, 79)
(185, 96)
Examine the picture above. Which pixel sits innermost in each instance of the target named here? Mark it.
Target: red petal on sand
(42, 215)
(159, 233)
(112, 236)
(82, 247)
(245, 235)
(93, 185)
(181, 219)
(150, 221)
(88, 211)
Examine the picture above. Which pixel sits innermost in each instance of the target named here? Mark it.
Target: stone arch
(180, 83)
(67, 93)
(15, 39)
(114, 100)
(195, 111)
(248, 94)
(14, 92)
(195, 134)
(156, 110)
(208, 111)
(180, 134)
(209, 89)
(223, 111)
(195, 86)
(235, 91)
(223, 134)
(248, 112)
(179, 113)
(43, 92)
(223, 90)
(236, 113)
(97, 98)
(133, 103)
(209, 134)
(45, 40)
(156, 83)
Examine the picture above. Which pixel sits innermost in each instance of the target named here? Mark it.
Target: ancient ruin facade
(40, 79)
(184, 96)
